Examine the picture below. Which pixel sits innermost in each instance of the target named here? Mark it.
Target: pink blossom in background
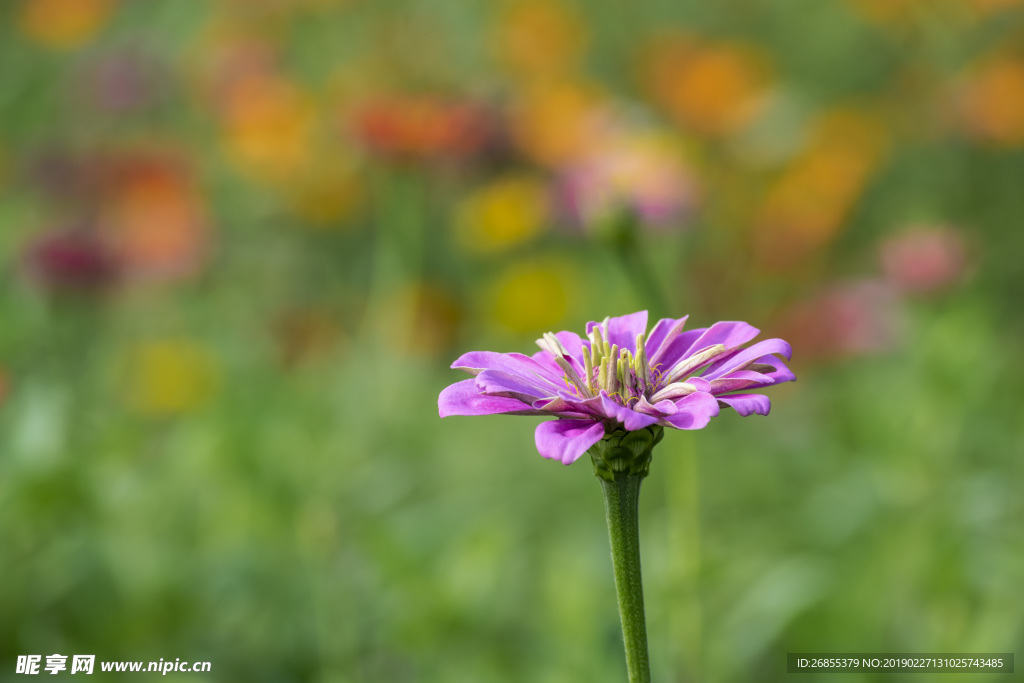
(848, 319)
(627, 167)
(123, 81)
(923, 259)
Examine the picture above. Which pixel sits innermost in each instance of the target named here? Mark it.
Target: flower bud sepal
(623, 452)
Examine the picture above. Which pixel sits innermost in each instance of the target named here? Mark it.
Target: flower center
(625, 376)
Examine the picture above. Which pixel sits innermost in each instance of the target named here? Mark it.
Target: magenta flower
(621, 378)
(72, 261)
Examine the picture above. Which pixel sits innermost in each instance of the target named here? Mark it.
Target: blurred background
(244, 240)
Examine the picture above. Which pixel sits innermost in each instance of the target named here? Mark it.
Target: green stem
(642, 277)
(622, 238)
(621, 498)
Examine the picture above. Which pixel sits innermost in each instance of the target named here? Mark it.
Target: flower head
(621, 378)
(72, 261)
(924, 259)
(626, 167)
(425, 128)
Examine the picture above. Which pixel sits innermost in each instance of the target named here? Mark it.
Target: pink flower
(852, 318)
(923, 259)
(628, 168)
(621, 378)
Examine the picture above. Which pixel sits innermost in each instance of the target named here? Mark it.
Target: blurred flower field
(244, 240)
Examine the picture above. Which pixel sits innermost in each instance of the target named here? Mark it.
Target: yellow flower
(64, 24)
(170, 377)
(507, 212)
(530, 297)
(326, 192)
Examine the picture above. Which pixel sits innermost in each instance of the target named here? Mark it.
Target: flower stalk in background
(613, 394)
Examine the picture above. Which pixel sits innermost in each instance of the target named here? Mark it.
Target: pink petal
(630, 419)
(516, 364)
(464, 398)
(659, 409)
(623, 330)
(560, 407)
(674, 349)
(748, 355)
(573, 345)
(741, 379)
(728, 334)
(660, 332)
(694, 411)
(747, 404)
(780, 374)
(701, 383)
(547, 362)
(567, 440)
(499, 383)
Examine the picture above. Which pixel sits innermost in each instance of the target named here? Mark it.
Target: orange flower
(422, 127)
(714, 89)
(268, 127)
(903, 14)
(538, 38)
(154, 217)
(551, 121)
(226, 57)
(805, 207)
(64, 24)
(992, 102)
(276, 8)
(993, 6)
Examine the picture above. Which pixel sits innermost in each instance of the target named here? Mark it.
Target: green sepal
(623, 452)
